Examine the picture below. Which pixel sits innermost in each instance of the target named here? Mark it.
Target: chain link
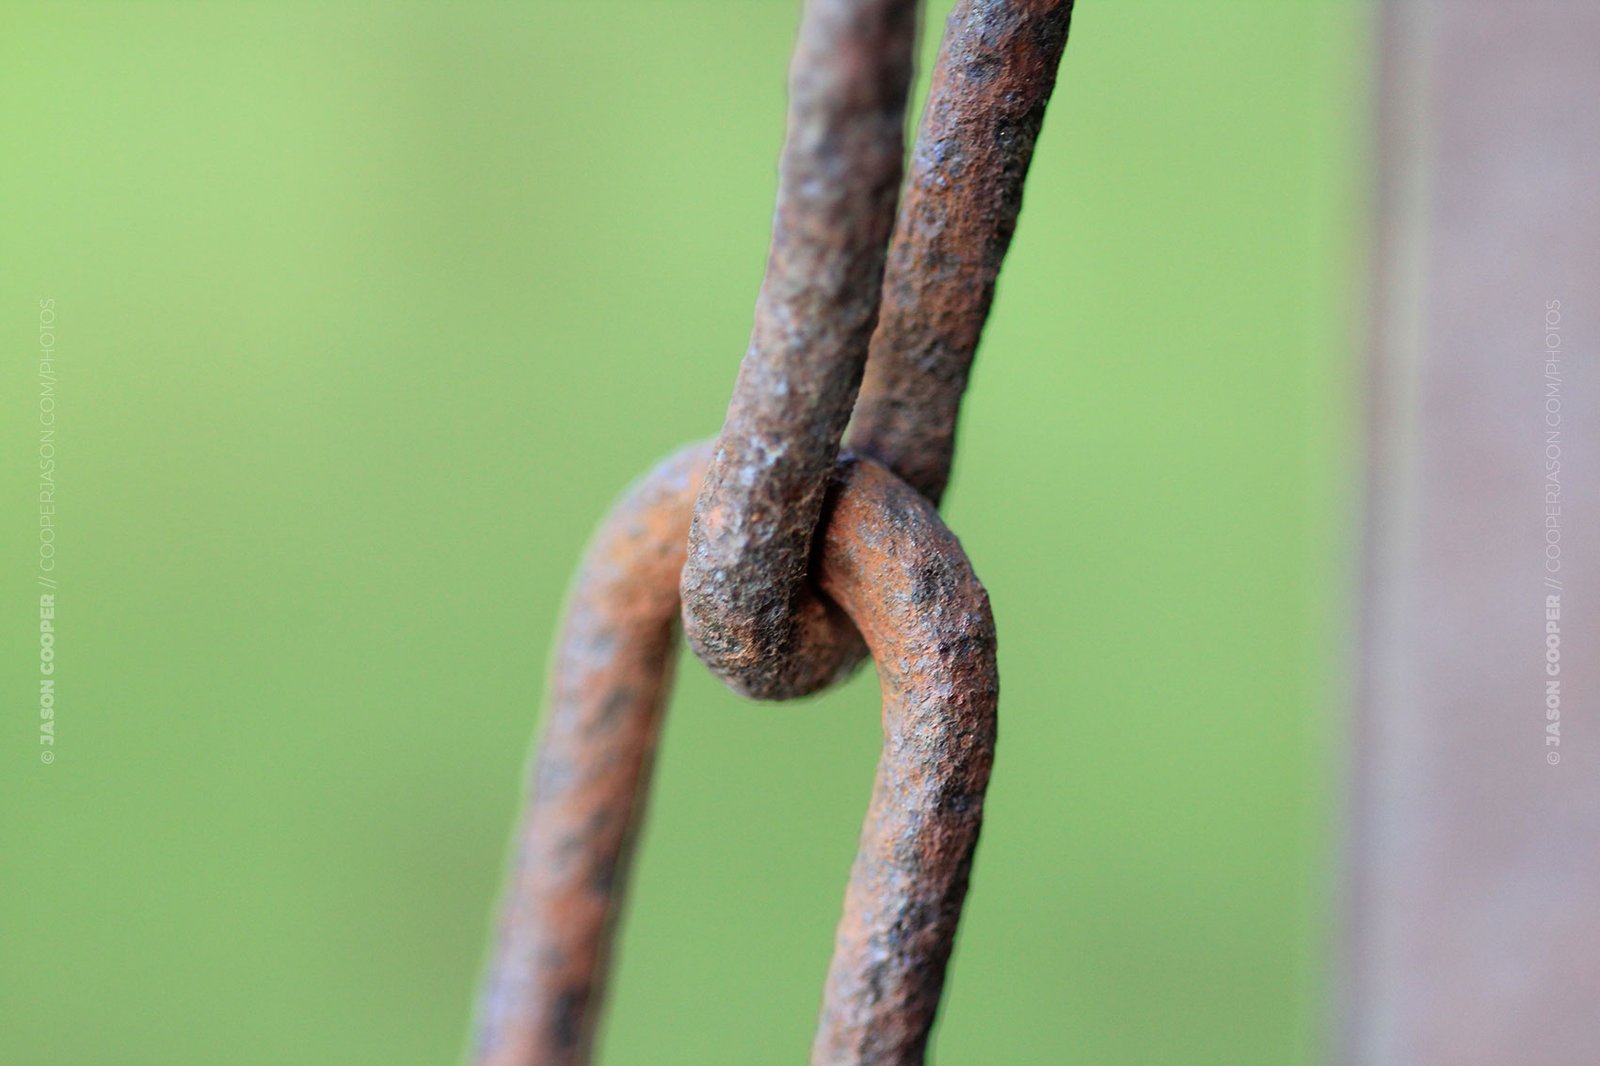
(789, 562)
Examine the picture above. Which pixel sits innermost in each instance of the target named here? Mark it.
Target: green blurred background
(367, 311)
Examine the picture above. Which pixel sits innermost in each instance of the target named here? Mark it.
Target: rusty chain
(789, 562)
(748, 609)
(995, 73)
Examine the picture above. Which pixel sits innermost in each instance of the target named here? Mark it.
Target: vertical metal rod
(995, 73)
(542, 994)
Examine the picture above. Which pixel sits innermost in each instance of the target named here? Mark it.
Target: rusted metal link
(539, 1000)
(900, 575)
(749, 611)
(797, 561)
(996, 69)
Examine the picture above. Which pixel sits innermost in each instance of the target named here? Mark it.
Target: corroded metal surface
(901, 576)
(890, 563)
(995, 73)
(748, 611)
(792, 561)
(540, 998)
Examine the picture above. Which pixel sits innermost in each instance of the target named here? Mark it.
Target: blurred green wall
(365, 312)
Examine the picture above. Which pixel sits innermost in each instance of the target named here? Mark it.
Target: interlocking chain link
(749, 612)
(794, 561)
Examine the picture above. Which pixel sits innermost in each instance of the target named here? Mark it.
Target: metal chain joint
(790, 561)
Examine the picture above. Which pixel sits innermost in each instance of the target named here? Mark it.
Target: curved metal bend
(901, 576)
(748, 609)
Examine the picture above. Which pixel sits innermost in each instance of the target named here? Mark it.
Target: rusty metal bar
(542, 993)
(748, 611)
(888, 560)
(903, 579)
(995, 73)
